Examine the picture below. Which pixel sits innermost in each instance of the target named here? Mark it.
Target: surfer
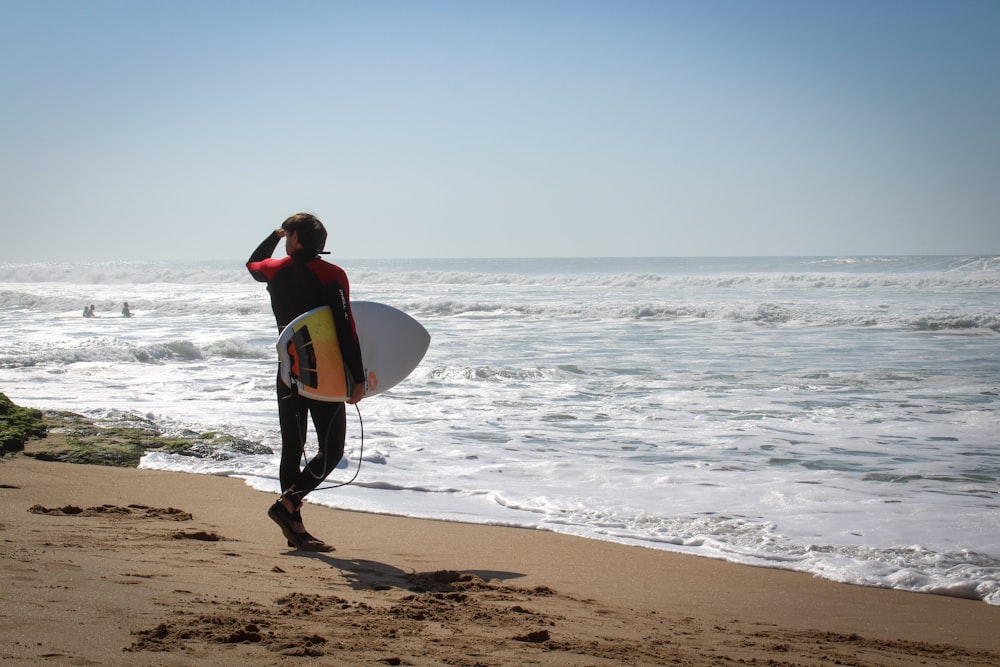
(299, 282)
(125, 311)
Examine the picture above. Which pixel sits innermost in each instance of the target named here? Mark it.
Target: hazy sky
(187, 129)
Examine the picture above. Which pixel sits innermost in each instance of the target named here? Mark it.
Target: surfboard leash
(302, 439)
(361, 455)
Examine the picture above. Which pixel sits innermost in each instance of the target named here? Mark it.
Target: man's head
(309, 231)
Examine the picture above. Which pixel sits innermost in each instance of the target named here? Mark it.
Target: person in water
(125, 311)
(297, 283)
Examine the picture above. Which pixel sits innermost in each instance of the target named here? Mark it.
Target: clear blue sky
(187, 129)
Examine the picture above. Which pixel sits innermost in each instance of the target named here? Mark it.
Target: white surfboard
(392, 345)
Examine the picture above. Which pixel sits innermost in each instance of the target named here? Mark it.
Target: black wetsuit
(299, 283)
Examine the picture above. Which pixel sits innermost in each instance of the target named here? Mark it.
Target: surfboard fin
(303, 356)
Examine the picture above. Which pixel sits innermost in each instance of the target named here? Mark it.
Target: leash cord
(361, 456)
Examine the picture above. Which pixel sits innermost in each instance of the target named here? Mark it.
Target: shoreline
(168, 568)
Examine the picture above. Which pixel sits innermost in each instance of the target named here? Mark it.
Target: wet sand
(108, 565)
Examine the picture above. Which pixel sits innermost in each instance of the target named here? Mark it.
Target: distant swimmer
(88, 311)
(125, 311)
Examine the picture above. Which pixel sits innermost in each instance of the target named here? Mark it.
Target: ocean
(838, 416)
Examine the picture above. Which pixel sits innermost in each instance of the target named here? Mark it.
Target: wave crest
(112, 349)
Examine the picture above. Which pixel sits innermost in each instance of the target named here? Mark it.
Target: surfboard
(392, 345)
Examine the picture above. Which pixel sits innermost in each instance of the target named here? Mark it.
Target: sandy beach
(108, 565)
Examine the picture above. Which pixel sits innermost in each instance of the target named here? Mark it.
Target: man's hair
(312, 233)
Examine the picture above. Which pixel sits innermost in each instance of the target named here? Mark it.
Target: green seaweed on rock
(120, 441)
(18, 425)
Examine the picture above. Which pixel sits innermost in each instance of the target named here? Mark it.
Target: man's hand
(357, 393)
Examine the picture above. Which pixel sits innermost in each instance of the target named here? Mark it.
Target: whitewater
(836, 416)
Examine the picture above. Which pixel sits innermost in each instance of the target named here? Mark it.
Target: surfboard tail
(310, 357)
(303, 359)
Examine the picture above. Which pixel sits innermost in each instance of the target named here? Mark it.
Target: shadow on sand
(373, 575)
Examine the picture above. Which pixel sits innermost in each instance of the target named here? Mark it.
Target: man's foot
(279, 514)
(309, 543)
(297, 539)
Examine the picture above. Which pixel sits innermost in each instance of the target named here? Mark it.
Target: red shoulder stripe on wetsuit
(260, 264)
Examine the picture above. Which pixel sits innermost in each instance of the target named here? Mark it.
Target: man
(299, 282)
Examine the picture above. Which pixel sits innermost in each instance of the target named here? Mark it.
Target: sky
(188, 129)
